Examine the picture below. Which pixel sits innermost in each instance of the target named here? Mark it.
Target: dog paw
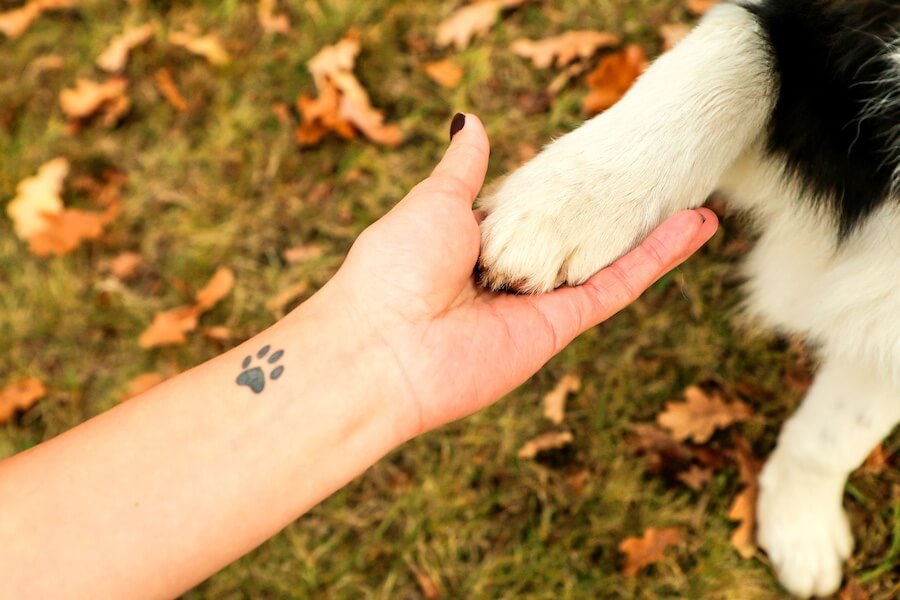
(554, 222)
(803, 527)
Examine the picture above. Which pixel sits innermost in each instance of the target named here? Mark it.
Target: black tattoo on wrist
(255, 377)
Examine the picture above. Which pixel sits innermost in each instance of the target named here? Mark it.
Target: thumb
(462, 171)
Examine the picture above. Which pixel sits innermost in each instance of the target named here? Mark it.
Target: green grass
(224, 184)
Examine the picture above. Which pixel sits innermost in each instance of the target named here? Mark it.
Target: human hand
(447, 348)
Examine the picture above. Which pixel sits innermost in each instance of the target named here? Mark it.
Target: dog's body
(792, 109)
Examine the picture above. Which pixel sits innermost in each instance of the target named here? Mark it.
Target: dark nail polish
(459, 121)
(702, 216)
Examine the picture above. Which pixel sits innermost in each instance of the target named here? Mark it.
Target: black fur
(831, 61)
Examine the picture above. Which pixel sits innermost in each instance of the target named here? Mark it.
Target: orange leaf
(142, 383)
(19, 396)
(699, 7)
(37, 198)
(218, 287)
(613, 77)
(300, 254)
(549, 441)
(67, 230)
(743, 508)
(646, 550)
(125, 265)
(115, 57)
(356, 108)
(13, 23)
(471, 20)
(88, 97)
(269, 21)
(218, 333)
(701, 415)
(696, 477)
(555, 400)
(166, 85)
(208, 46)
(445, 73)
(564, 49)
(169, 327)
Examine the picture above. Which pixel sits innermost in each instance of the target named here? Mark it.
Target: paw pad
(255, 377)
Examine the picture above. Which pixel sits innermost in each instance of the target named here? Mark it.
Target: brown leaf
(701, 415)
(13, 23)
(37, 198)
(564, 49)
(142, 383)
(166, 85)
(743, 508)
(218, 287)
(356, 107)
(269, 21)
(299, 254)
(20, 396)
(643, 551)
(169, 327)
(125, 265)
(286, 296)
(115, 57)
(672, 33)
(662, 452)
(445, 73)
(555, 400)
(549, 441)
(613, 77)
(853, 591)
(208, 46)
(699, 7)
(65, 231)
(89, 97)
(471, 20)
(877, 461)
(696, 477)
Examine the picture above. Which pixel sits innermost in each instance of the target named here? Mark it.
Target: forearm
(160, 492)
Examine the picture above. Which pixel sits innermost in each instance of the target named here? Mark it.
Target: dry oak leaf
(166, 85)
(471, 20)
(643, 551)
(269, 21)
(356, 107)
(613, 77)
(701, 415)
(20, 396)
(66, 230)
(142, 383)
(37, 197)
(699, 7)
(549, 441)
(88, 97)
(555, 400)
(743, 508)
(171, 326)
(445, 73)
(208, 46)
(115, 57)
(564, 49)
(13, 23)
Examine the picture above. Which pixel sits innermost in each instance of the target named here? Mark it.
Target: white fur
(695, 122)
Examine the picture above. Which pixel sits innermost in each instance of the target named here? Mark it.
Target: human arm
(155, 495)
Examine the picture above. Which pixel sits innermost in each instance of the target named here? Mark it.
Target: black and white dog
(792, 109)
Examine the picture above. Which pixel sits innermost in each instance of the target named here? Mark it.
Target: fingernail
(702, 216)
(459, 121)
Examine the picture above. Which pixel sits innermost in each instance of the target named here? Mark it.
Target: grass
(224, 184)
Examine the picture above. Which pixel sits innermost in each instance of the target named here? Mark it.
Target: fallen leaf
(219, 333)
(89, 97)
(564, 49)
(356, 107)
(218, 287)
(142, 383)
(877, 461)
(269, 21)
(21, 395)
(853, 591)
(471, 20)
(13, 23)
(613, 77)
(743, 508)
(555, 400)
(701, 415)
(125, 265)
(166, 85)
(334, 59)
(286, 296)
(299, 254)
(699, 7)
(48, 62)
(549, 441)
(445, 73)
(65, 231)
(643, 551)
(115, 57)
(38, 197)
(663, 453)
(208, 46)
(672, 33)
(696, 477)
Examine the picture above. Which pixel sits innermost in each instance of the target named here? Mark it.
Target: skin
(153, 496)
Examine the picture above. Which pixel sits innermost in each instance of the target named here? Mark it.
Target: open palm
(456, 347)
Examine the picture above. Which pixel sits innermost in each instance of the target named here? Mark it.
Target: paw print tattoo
(255, 378)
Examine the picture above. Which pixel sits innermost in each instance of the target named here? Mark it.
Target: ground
(224, 184)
